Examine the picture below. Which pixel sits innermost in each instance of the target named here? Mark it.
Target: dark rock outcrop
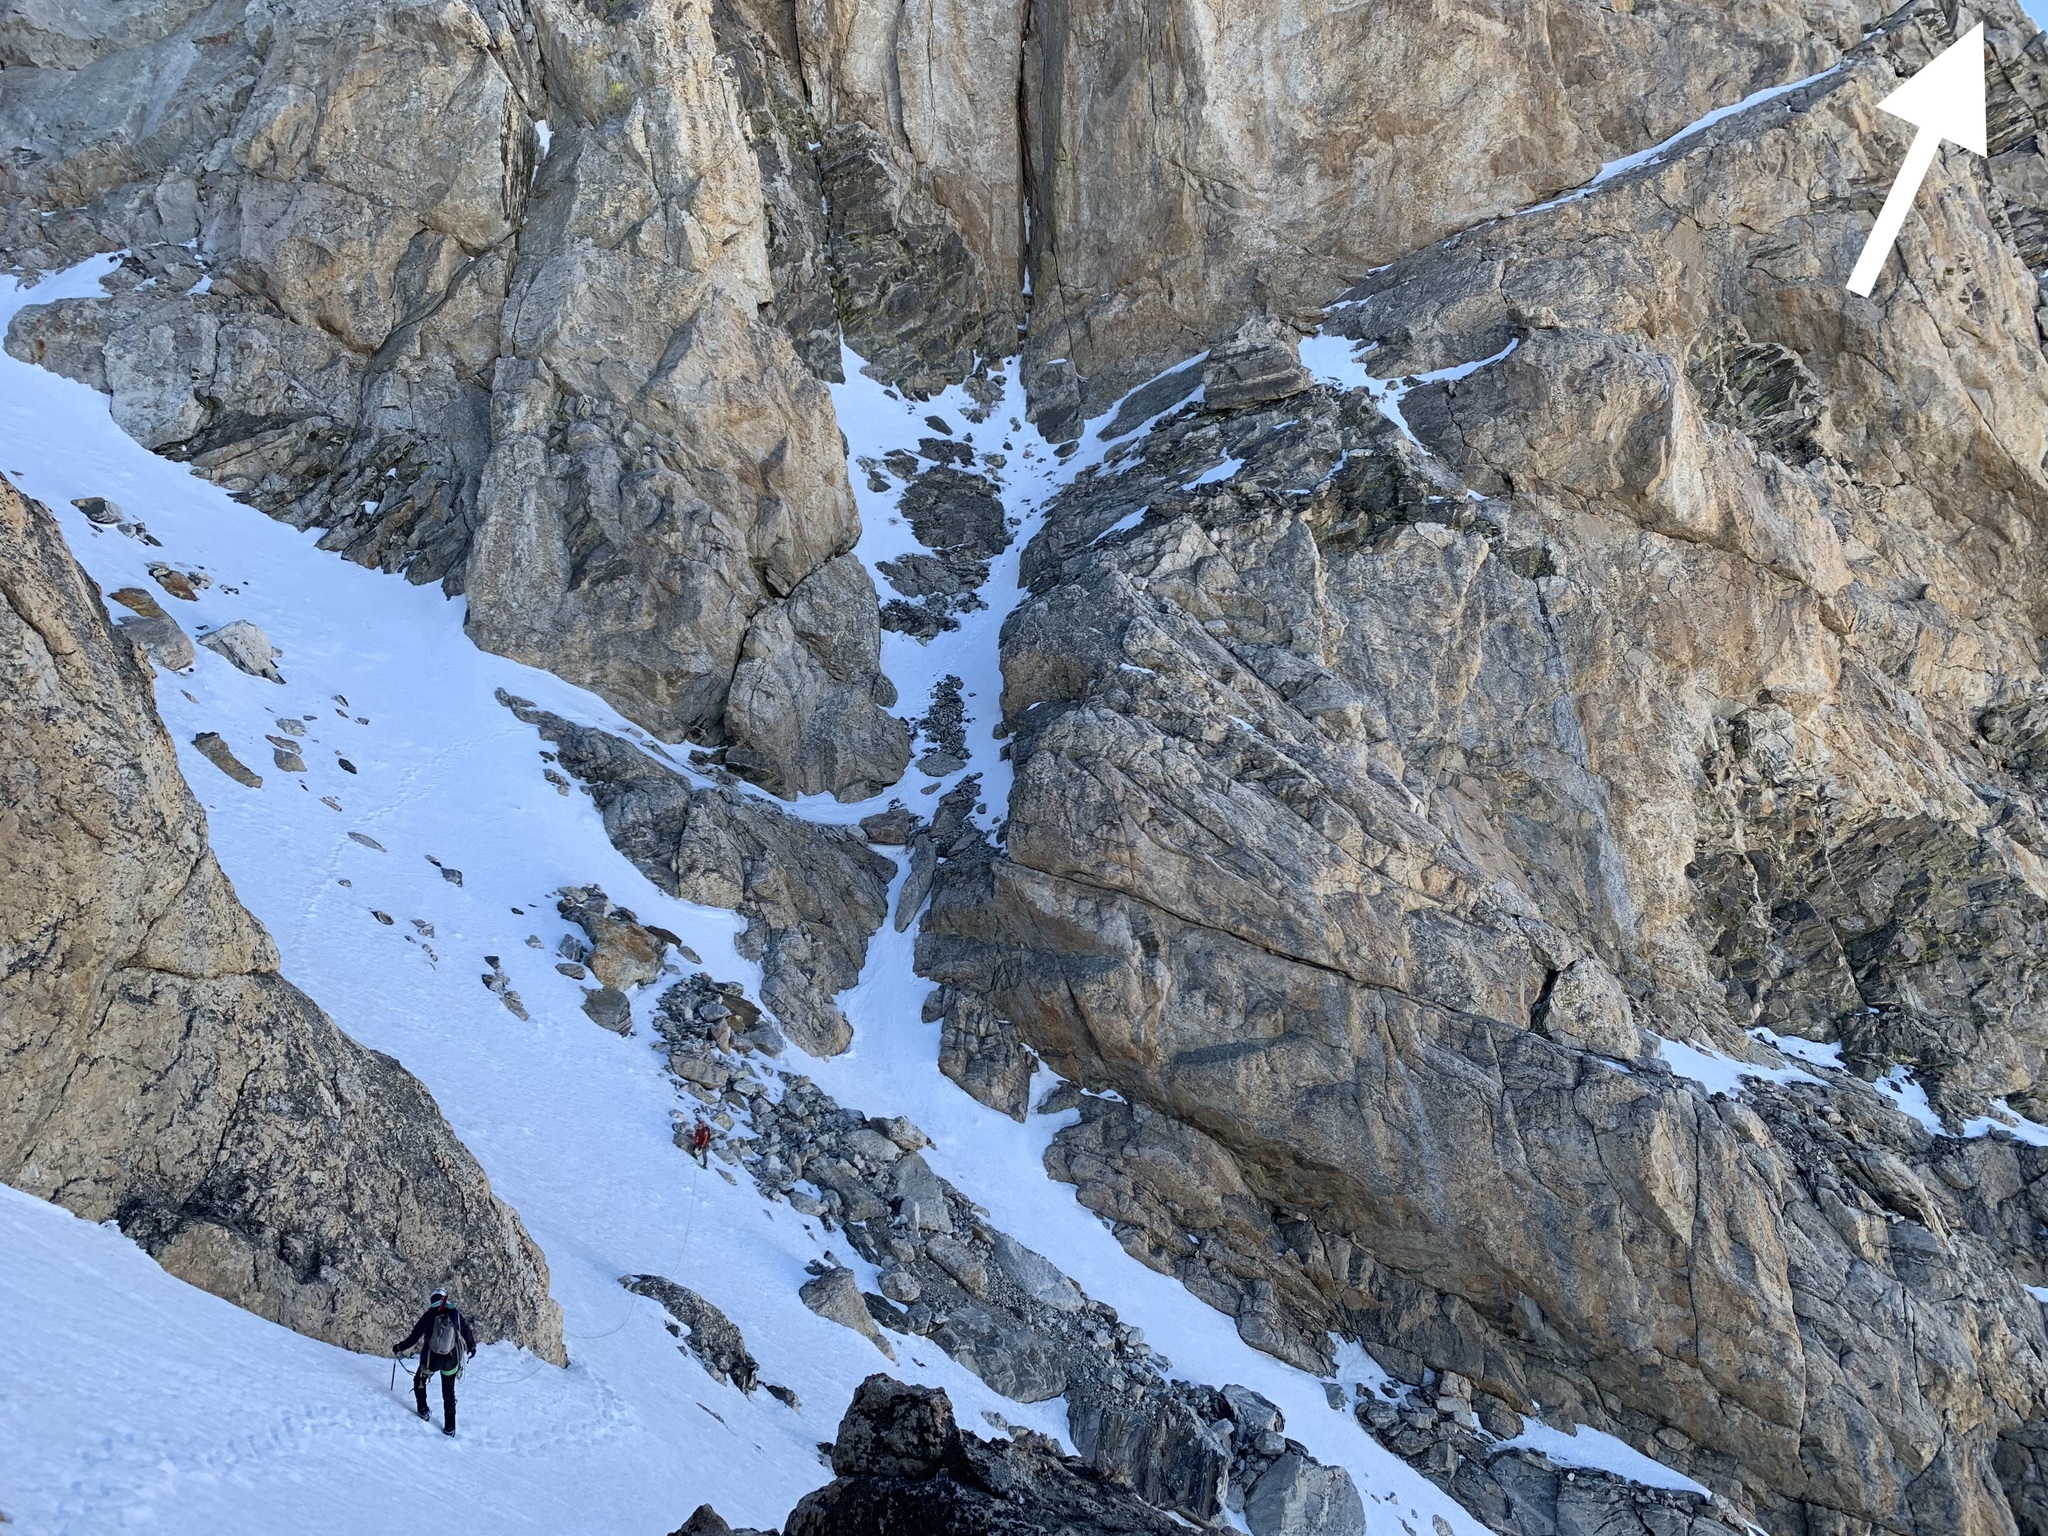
(708, 1333)
(812, 895)
(158, 1071)
(902, 1464)
(1001, 1310)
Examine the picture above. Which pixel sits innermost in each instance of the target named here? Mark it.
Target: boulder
(711, 1336)
(217, 752)
(608, 1008)
(1017, 1361)
(901, 1464)
(154, 630)
(247, 647)
(918, 1198)
(835, 1294)
(1037, 1276)
(624, 953)
(1260, 363)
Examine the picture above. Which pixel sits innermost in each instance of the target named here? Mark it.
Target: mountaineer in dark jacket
(441, 1334)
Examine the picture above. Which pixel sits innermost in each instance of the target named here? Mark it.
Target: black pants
(419, 1392)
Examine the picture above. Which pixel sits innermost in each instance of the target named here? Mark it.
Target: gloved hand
(398, 1349)
(472, 1351)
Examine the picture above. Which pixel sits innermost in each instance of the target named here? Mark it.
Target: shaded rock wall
(159, 1072)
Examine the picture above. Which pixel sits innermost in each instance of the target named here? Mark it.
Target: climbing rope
(632, 1306)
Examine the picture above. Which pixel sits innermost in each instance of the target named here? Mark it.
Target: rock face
(887, 141)
(834, 1294)
(1004, 1312)
(484, 291)
(1607, 648)
(1184, 164)
(519, 296)
(160, 1073)
(1196, 162)
(1381, 801)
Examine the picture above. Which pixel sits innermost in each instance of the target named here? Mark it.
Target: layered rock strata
(159, 1072)
(1637, 650)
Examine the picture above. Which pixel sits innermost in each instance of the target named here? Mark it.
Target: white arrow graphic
(1944, 101)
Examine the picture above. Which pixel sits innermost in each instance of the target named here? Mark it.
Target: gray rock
(608, 1008)
(865, 1141)
(807, 711)
(1260, 363)
(1017, 1361)
(980, 1050)
(1293, 811)
(247, 647)
(1158, 1441)
(1520, 1493)
(858, 1201)
(961, 1262)
(901, 1131)
(1589, 1011)
(1253, 1414)
(1036, 1276)
(1297, 1497)
(154, 630)
(890, 828)
(456, 367)
(917, 884)
(835, 1294)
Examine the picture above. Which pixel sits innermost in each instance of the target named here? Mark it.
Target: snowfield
(131, 1401)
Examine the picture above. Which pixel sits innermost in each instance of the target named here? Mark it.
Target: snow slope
(193, 1416)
